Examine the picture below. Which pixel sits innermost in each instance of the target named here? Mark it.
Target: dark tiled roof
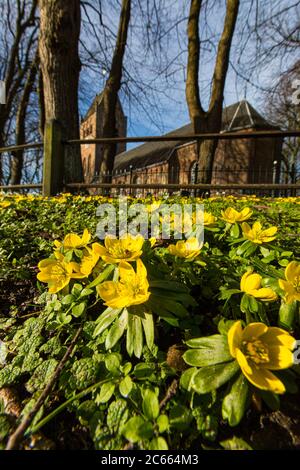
(240, 115)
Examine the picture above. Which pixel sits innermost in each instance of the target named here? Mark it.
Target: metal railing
(54, 149)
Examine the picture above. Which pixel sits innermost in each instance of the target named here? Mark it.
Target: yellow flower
(291, 285)
(208, 218)
(73, 241)
(257, 235)
(188, 249)
(259, 349)
(125, 249)
(232, 216)
(5, 204)
(89, 261)
(251, 284)
(57, 273)
(131, 289)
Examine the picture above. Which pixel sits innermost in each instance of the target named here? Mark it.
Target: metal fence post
(53, 166)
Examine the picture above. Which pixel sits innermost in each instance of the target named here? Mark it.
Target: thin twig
(16, 437)
(169, 394)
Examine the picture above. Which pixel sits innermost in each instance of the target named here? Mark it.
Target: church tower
(91, 127)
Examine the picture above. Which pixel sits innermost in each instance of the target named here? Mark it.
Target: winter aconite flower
(89, 260)
(117, 250)
(232, 216)
(257, 235)
(208, 219)
(131, 289)
(73, 241)
(259, 349)
(291, 284)
(188, 249)
(57, 273)
(251, 285)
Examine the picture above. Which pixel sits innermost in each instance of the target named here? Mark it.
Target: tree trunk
(15, 72)
(110, 93)
(60, 65)
(211, 120)
(18, 156)
(41, 105)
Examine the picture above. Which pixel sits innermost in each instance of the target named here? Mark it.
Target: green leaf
(186, 379)
(235, 443)
(117, 330)
(244, 305)
(234, 404)
(226, 294)
(79, 309)
(125, 386)
(287, 313)
(148, 326)
(134, 341)
(126, 368)
(271, 399)
(112, 362)
(3, 353)
(143, 371)
(85, 292)
(158, 443)
(83, 374)
(102, 276)
(180, 417)
(210, 378)
(243, 247)
(210, 350)
(41, 376)
(162, 423)
(117, 415)
(76, 289)
(283, 262)
(137, 429)
(106, 392)
(150, 404)
(9, 374)
(253, 305)
(224, 326)
(67, 299)
(235, 231)
(105, 319)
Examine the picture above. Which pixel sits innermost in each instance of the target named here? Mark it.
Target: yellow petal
(246, 228)
(45, 263)
(243, 363)
(244, 279)
(141, 270)
(292, 270)
(235, 337)
(254, 331)
(252, 282)
(266, 294)
(265, 380)
(280, 358)
(85, 237)
(269, 232)
(278, 337)
(257, 227)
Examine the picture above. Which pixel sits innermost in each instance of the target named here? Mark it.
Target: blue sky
(167, 109)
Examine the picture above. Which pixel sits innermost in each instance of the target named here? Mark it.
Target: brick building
(236, 161)
(91, 127)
